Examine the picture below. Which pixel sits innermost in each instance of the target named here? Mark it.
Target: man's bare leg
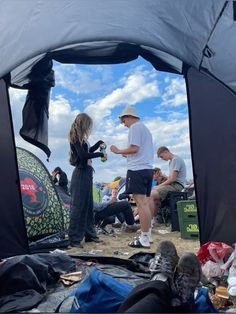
(144, 212)
(142, 203)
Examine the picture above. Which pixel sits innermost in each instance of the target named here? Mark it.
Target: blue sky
(103, 91)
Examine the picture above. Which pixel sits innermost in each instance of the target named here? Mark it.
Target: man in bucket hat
(139, 154)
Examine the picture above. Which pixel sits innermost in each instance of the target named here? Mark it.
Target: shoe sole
(137, 244)
(137, 237)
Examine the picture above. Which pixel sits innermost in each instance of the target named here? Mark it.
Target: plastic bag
(214, 251)
(212, 269)
(226, 266)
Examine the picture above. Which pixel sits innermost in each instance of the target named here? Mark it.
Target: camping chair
(167, 213)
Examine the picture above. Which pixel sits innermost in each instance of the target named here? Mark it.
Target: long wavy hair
(80, 128)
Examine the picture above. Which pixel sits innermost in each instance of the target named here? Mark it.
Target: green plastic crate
(188, 219)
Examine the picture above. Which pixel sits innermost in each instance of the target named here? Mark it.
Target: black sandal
(137, 244)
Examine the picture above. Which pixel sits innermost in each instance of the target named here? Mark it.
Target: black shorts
(139, 182)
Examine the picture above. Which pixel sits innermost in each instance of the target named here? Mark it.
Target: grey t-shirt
(178, 164)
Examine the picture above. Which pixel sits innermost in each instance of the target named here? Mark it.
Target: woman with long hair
(82, 218)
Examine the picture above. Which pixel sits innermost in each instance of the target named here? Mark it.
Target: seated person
(175, 181)
(116, 220)
(103, 211)
(172, 285)
(158, 177)
(59, 177)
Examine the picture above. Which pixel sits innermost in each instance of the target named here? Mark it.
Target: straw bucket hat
(129, 111)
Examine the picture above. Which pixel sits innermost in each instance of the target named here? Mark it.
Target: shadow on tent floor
(34, 282)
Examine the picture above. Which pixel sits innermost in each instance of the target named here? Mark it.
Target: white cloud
(61, 116)
(81, 79)
(175, 92)
(138, 85)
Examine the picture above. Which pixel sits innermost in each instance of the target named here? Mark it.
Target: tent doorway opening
(103, 91)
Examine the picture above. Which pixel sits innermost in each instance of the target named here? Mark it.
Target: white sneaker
(144, 240)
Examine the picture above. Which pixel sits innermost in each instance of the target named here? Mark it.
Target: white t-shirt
(140, 136)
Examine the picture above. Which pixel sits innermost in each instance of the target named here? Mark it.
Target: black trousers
(152, 297)
(117, 208)
(81, 217)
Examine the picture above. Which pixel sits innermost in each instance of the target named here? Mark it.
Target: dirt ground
(117, 244)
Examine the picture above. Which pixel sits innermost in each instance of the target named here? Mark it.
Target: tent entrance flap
(13, 238)
(212, 112)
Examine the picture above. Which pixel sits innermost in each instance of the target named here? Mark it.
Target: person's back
(140, 135)
(139, 155)
(59, 177)
(63, 180)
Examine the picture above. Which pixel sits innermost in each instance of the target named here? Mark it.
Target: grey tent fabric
(169, 34)
(214, 64)
(177, 31)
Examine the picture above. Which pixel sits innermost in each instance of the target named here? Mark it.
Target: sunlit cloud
(175, 92)
(137, 87)
(61, 116)
(82, 79)
(102, 93)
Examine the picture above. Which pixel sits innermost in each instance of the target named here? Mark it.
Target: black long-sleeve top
(84, 153)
